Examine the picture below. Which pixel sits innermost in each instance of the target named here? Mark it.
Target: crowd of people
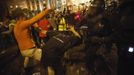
(86, 42)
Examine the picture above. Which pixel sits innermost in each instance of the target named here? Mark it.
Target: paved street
(11, 63)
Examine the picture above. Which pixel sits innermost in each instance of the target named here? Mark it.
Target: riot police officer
(97, 28)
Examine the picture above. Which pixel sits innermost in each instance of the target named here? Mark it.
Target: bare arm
(34, 19)
(74, 31)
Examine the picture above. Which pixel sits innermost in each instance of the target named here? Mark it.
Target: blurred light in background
(131, 49)
(77, 2)
(11, 6)
(16, 6)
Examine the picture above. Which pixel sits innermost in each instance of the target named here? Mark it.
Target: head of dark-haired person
(94, 13)
(96, 7)
(71, 19)
(126, 12)
(18, 13)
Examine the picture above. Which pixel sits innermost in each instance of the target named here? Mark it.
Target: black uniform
(55, 48)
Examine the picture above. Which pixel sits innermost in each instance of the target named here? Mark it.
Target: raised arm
(34, 19)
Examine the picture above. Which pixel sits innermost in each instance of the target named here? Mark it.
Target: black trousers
(52, 54)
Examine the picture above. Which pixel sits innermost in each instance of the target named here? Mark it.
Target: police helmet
(98, 5)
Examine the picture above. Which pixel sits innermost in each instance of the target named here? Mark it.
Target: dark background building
(3, 9)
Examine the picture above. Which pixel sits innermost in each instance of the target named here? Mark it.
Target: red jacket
(43, 26)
